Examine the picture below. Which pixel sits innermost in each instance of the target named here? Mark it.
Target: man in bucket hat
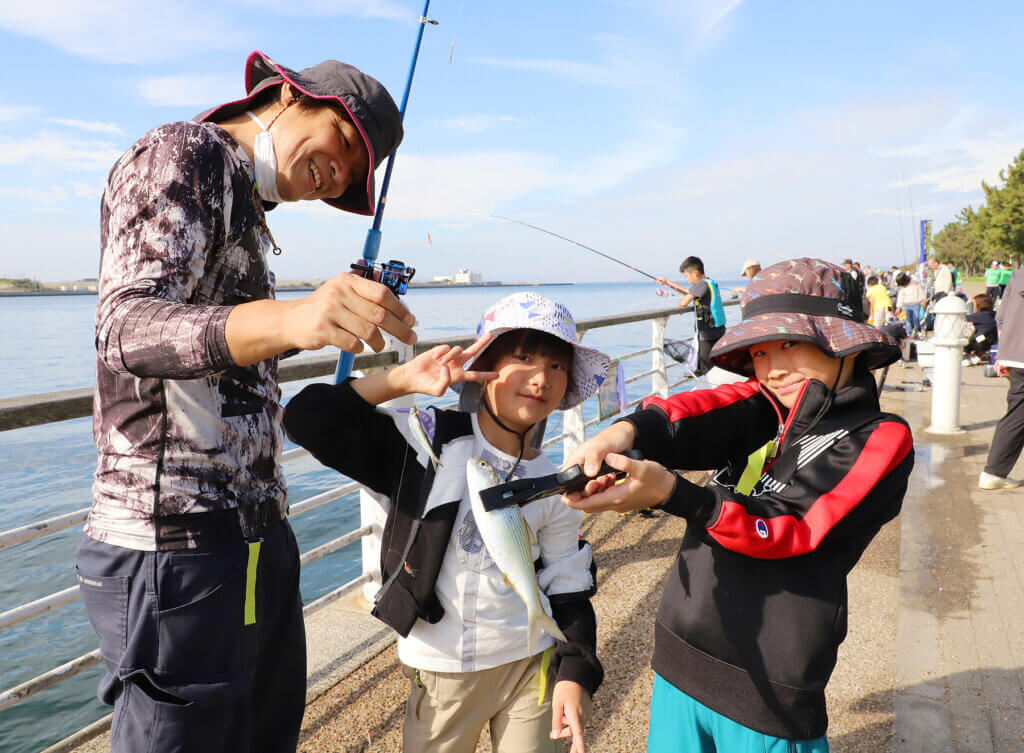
(808, 470)
(189, 569)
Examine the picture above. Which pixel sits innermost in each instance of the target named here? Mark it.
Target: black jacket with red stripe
(754, 609)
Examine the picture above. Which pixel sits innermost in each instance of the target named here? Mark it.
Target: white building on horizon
(462, 277)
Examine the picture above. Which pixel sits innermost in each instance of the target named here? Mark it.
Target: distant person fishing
(709, 310)
(749, 270)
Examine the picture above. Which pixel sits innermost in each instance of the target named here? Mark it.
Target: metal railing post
(659, 379)
(576, 432)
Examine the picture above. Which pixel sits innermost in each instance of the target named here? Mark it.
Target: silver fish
(507, 538)
(416, 429)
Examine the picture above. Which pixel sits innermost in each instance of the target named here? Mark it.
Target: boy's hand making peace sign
(429, 373)
(433, 372)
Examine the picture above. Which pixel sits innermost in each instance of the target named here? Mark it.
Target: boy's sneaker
(991, 481)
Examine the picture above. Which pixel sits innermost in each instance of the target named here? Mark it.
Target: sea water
(47, 470)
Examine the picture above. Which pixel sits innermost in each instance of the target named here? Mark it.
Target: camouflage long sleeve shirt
(179, 427)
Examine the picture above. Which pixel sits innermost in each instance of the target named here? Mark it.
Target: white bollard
(949, 340)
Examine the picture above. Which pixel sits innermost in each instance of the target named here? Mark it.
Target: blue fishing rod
(394, 274)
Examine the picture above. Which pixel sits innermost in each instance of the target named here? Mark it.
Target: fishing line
(913, 219)
(576, 243)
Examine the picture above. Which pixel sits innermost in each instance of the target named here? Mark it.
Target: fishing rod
(394, 274)
(577, 243)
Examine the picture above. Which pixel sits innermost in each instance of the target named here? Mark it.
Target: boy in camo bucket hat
(805, 300)
(808, 470)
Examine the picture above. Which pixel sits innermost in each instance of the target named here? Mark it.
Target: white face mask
(266, 163)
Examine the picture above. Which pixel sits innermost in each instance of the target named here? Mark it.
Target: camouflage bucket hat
(367, 102)
(807, 300)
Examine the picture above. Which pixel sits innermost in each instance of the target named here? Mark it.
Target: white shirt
(910, 294)
(484, 623)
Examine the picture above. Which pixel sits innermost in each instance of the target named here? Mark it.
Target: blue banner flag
(926, 239)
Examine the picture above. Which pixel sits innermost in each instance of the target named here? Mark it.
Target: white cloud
(920, 211)
(620, 62)
(451, 186)
(51, 149)
(191, 90)
(353, 8)
(87, 125)
(881, 124)
(703, 22)
(478, 123)
(91, 191)
(126, 31)
(967, 164)
(590, 74)
(16, 112)
(929, 139)
(47, 199)
(654, 145)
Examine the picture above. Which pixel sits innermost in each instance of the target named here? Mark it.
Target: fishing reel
(394, 275)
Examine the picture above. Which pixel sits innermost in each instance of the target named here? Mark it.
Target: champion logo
(843, 309)
(762, 528)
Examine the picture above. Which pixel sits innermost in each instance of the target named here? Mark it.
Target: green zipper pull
(250, 583)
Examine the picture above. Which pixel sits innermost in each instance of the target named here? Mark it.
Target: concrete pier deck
(934, 660)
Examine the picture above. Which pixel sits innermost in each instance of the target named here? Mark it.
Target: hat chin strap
(522, 436)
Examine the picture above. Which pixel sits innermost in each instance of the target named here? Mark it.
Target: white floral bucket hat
(535, 311)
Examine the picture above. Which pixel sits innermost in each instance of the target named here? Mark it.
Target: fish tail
(539, 620)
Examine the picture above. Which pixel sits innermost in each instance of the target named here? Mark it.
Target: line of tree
(20, 283)
(994, 232)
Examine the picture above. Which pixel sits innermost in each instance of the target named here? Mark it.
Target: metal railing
(40, 409)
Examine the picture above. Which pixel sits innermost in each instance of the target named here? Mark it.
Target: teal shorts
(681, 725)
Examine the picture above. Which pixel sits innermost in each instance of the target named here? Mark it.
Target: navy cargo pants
(205, 648)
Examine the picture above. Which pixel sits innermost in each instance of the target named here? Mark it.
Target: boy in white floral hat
(462, 629)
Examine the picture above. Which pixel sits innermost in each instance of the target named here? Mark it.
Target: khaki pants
(447, 711)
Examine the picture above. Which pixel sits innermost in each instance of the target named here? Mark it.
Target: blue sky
(648, 129)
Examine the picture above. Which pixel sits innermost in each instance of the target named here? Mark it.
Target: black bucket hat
(365, 99)
(808, 300)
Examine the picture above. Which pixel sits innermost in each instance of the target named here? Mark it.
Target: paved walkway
(933, 660)
(960, 635)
